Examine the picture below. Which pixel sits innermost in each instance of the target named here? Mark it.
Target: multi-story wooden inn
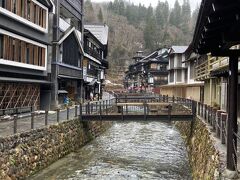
(24, 66)
(95, 63)
(67, 51)
(148, 73)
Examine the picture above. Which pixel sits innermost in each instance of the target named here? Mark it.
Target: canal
(126, 151)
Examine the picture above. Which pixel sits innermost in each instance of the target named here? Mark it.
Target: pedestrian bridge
(140, 107)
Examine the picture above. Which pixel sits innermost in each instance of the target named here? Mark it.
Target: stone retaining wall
(23, 154)
(203, 155)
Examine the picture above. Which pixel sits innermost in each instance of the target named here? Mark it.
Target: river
(126, 151)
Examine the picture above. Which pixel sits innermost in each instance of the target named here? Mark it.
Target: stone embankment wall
(23, 154)
(203, 155)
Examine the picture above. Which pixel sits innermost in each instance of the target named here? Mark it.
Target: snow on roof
(99, 31)
(179, 49)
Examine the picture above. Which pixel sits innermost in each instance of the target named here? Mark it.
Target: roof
(217, 26)
(99, 31)
(90, 34)
(77, 34)
(178, 49)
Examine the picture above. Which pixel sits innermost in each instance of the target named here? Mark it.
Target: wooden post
(169, 112)
(80, 111)
(194, 109)
(91, 108)
(76, 110)
(58, 115)
(232, 119)
(106, 107)
(145, 110)
(100, 110)
(32, 120)
(218, 123)
(15, 118)
(122, 113)
(223, 127)
(88, 108)
(67, 113)
(46, 117)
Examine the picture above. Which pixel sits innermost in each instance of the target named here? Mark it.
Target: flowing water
(126, 151)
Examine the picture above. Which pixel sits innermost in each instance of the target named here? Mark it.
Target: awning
(9, 79)
(62, 92)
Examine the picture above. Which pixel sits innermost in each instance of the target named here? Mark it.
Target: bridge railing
(145, 106)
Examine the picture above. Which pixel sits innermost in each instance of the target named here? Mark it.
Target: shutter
(44, 18)
(23, 57)
(36, 55)
(43, 57)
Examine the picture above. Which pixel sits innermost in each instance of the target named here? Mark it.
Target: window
(2, 3)
(1, 46)
(21, 51)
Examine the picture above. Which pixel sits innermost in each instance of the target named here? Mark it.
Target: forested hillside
(135, 28)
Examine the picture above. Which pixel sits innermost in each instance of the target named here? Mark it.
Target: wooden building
(181, 77)
(147, 73)
(67, 51)
(217, 31)
(24, 50)
(94, 63)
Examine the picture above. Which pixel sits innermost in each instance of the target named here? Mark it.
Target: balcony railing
(218, 63)
(202, 70)
(93, 53)
(69, 71)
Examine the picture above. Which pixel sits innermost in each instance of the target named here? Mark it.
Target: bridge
(141, 107)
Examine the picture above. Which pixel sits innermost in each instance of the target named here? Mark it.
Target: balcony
(202, 70)
(218, 63)
(93, 53)
(69, 71)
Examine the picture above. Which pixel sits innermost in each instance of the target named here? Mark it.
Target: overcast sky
(154, 2)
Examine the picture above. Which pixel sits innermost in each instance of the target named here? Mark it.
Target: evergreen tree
(186, 16)
(159, 14)
(121, 8)
(100, 15)
(88, 8)
(150, 31)
(175, 16)
(149, 13)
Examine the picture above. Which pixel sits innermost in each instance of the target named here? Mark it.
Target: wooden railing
(202, 70)
(217, 120)
(218, 63)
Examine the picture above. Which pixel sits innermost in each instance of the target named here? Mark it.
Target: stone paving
(24, 123)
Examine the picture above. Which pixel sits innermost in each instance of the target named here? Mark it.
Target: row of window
(26, 9)
(19, 51)
(94, 48)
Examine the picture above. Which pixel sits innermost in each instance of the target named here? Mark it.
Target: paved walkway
(24, 121)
